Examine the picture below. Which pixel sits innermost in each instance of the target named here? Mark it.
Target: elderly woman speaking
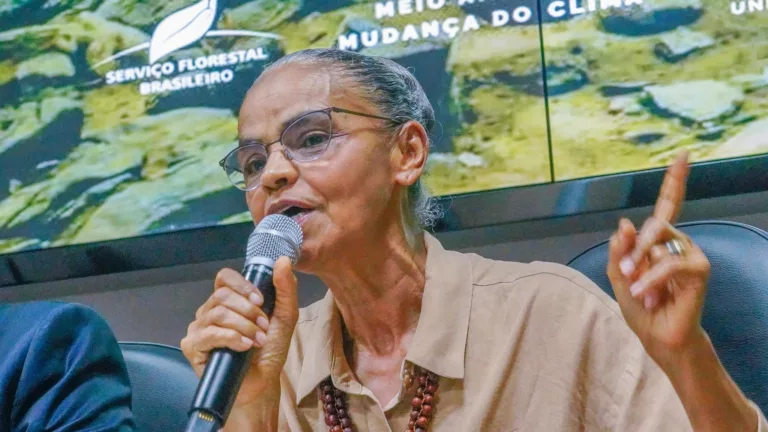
(413, 337)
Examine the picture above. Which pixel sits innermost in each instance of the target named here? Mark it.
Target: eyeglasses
(305, 139)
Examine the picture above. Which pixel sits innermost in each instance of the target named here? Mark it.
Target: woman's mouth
(298, 214)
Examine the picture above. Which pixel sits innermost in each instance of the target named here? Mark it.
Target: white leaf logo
(181, 28)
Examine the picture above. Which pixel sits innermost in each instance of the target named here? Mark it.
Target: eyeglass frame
(287, 152)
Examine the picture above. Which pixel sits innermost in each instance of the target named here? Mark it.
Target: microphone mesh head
(276, 235)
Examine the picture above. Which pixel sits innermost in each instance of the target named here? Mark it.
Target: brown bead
(408, 381)
(336, 416)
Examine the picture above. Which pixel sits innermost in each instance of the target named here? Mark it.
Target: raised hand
(659, 276)
(660, 279)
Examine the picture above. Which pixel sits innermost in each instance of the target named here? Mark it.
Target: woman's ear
(409, 155)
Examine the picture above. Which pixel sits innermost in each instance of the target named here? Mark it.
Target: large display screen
(115, 113)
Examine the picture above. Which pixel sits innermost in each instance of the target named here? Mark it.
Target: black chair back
(736, 309)
(163, 385)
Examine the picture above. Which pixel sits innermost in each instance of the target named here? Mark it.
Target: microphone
(277, 235)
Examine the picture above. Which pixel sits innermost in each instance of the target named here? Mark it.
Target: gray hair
(398, 95)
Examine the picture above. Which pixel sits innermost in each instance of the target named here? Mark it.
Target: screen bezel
(499, 207)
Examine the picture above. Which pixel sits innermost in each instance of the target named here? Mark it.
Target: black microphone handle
(260, 276)
(226, 369)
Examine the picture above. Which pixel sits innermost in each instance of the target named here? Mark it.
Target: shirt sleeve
(74, 377)
(646, 399)
(625, 389)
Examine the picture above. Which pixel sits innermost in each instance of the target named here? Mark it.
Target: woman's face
(347, 192)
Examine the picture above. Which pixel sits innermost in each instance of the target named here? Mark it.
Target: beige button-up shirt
(518, 347)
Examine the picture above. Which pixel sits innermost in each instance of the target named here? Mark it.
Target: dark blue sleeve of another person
(61, 370)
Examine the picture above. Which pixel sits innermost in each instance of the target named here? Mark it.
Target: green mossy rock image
(693, 86)
(258, 15)
(696, 101)
(7, 71)
(17, 13)
(110, 106)
(48, 65)
(66, 32)
(481, 53)
(680, 43)
(17, 244)
(180, 166)
(401, 22)
(20, 123)
(650, 16)
(140, 14)
(753, 139)
(506, 146)
(162, 146)
(238, 218)
(320, 30)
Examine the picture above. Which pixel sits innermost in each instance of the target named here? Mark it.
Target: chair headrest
(163, 385)
(736, 307)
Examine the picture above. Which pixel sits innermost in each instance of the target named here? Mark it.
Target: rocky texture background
(648, 82)
(81, 161)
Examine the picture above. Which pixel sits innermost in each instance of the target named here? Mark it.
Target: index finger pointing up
(672, 192)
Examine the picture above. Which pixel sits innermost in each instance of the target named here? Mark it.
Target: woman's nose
(279, 171)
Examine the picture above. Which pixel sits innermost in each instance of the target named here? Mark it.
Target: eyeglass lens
(305, 139)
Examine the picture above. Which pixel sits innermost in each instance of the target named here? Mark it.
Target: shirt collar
(441, 333)
(323, 332)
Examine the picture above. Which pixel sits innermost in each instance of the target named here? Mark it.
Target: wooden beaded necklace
(422, 405)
